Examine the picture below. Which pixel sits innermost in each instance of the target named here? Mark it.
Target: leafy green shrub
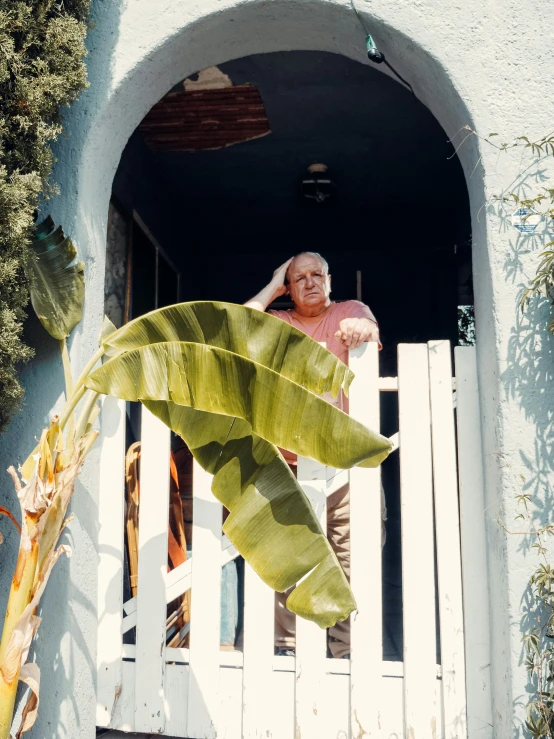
(41, 71)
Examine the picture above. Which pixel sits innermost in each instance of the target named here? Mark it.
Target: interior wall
(139, 185)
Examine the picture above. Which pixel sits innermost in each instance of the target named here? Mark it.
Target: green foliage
(535, 194)
(466, 325)
(57, 286)
(540, 201)
(538, 624)
(41, 71)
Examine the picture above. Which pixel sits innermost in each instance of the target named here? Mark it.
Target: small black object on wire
(376, 56)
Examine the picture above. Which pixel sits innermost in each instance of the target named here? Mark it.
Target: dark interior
(226, 218)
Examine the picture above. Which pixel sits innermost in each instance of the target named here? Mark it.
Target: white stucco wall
(477, 62)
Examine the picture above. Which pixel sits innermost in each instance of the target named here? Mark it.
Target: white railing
(205, 692)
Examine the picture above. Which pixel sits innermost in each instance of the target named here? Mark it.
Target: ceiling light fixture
(317, 185)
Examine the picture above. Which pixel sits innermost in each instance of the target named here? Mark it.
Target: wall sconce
(317, 185)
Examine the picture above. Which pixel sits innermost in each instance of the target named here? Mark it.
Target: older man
(342, 326)
(306, 279)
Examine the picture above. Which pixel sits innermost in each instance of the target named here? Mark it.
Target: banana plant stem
(98, 354)
(7, 704)
(70, 406)
(66, 369)
(68, 391)
(84, 416)
(20, 596)
(20, 591)
(79, 389)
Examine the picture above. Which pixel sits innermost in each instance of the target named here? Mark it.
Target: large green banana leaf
(271, 522)
(57, 286)
(219, 381)
(250, 333)
(231, 405)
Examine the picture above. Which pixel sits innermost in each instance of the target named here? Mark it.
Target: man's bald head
(314, 255)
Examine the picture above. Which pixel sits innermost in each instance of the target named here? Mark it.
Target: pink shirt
(323, 327)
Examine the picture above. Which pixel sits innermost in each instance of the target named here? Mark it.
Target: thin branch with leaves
(538, 639)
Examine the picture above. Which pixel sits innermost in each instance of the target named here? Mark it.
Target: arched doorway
(212, 222)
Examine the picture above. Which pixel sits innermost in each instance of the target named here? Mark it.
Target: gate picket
(152, 571)
(365, 557)
(447, 526)
(418, 557)
(311, 640)
(111, 517)
(259, 639)
(203, 692)
(474, 545)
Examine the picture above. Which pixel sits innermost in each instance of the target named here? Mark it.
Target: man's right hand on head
(279, 277)
(273, 290)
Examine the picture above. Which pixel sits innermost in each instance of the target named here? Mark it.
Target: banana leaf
(219, 381)
(57, 286)
(244, 331)
(271, 521)
(222, 377)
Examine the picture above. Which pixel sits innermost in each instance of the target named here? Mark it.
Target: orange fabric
(176, 555)
(131, 518)
(183, 463)
(177, 543)
(176, 539)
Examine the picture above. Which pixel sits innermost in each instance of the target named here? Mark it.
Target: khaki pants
(338, 533)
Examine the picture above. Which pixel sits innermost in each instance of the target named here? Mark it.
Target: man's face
(309, 283)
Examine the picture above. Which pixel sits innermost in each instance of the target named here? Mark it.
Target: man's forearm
(263, 298)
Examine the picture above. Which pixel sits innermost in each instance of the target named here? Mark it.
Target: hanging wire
(393, 70)
(382, 59)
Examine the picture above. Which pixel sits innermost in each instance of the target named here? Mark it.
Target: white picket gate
(203, 692)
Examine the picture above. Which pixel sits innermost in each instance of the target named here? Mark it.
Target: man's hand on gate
(354, 331)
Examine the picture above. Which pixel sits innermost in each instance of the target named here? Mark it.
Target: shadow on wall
(529, 380)
(65, 646)
(529, 373)
(123, 735)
